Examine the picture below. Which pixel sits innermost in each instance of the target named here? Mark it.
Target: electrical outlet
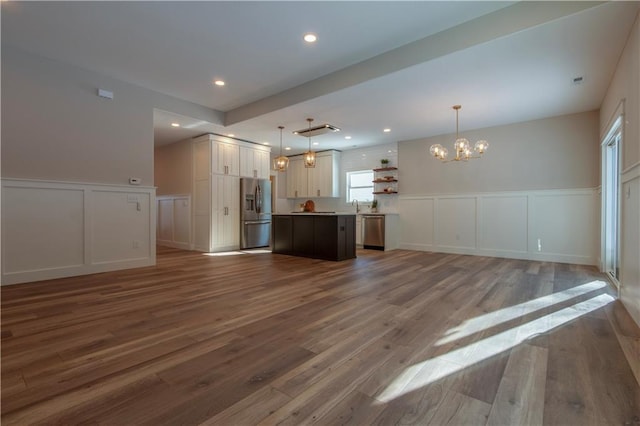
(135, 244)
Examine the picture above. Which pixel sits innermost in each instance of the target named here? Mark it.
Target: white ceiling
(503, 62)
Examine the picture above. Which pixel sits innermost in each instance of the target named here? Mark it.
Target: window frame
(369, 186)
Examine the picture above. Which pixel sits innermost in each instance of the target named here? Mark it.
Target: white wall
(625, 89)
(172, 168)
(56, 129)
(552, 153)
(56, 229)
(536, 184)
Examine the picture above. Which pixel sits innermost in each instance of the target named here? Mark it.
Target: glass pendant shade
(435, 150)
(310, 156)
(481, 146)
(310, 159)
(461, 145)
(281, 162)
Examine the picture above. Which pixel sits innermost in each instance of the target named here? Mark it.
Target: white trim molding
(560, 225)
(53, 229)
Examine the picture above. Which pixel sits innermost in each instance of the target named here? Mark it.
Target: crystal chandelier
(281, 163)
(463, 150)
(310, 156)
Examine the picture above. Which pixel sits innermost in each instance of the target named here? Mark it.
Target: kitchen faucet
(357, 206)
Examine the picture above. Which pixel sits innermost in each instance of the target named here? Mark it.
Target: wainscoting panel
(174, 221)
(119, 226)
(630, 241)
(418, 217)
(456, 223)
(565, 225)
(505, 224)
(32, 243)
(59, 229)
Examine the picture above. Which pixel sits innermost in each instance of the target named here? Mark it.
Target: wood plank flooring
(400, 337)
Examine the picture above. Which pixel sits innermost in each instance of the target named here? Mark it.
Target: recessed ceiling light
(265, 143)
(219, 82)
(387, 130)
(310, 38)
(231, 135)
(288, 148)
(347, 137)
(175, 124)
(316, 143)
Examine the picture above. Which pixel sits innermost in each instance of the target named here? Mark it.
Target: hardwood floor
(399, 337)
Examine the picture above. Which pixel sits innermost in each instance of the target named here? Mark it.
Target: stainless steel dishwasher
(373, 232)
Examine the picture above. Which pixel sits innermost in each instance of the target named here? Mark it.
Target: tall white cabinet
(322, 181)
(218, 165)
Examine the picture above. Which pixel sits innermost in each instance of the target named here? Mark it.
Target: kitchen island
(329, 236)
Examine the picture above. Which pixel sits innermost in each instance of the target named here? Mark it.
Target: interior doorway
(611, 148)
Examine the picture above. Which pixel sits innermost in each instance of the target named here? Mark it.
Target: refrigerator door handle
(258, 196)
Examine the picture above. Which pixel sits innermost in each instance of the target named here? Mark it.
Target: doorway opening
(611, 147)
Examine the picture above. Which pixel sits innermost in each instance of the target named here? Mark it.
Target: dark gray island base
(320, 236)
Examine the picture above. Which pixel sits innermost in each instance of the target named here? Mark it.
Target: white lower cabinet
(358, 230)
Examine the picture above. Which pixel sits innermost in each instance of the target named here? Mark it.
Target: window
(360, 186)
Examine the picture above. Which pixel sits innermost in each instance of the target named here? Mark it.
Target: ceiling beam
(502, 23)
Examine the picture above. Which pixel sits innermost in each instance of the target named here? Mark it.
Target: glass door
(611, 201)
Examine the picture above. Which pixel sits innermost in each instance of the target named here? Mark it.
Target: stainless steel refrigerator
(255, 213)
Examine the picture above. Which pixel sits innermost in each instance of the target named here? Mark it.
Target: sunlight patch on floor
(500, 316)
(434, 369)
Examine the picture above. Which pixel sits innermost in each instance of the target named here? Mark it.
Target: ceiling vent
(317, 130)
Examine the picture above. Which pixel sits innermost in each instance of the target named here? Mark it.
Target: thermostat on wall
(135, 181)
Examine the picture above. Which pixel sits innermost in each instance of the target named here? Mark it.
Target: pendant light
(463, 151)
(310, 156)
(281, 163)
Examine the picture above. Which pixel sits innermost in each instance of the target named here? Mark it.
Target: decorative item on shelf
(374, 206)
(281, 162)
(309, 206)
(463, 150)
(310, 156)
(384, 163)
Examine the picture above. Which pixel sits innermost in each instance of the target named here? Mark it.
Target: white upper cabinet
(225, 158)
(322, 181)
(254, 162)
(296, 179)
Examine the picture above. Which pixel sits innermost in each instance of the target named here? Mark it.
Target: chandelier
(280, 163)
(310, 156)
(462, 147)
